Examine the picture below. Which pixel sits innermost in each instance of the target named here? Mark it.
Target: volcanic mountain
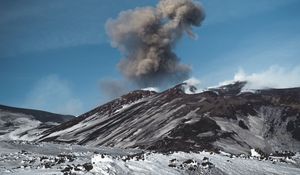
(226, 118)
(26, 124)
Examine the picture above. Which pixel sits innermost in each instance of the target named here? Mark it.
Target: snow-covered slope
(26, 124)
(223, 118)
(28, 158)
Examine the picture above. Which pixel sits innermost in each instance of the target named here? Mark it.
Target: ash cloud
(146, 37)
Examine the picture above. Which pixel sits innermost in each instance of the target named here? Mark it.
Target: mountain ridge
(223, 118)
(39, 114)
(27, 124)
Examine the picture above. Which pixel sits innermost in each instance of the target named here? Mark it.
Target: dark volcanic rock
(38, 115)
(243, 125)
(222, 118)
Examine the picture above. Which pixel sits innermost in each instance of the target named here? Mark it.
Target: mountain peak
(230, 89)
(136, 95)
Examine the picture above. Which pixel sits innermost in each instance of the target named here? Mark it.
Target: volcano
(226, 118)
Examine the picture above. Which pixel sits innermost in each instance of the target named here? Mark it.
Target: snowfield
(27, 124)
(29, 158)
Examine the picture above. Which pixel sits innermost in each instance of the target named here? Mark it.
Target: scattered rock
(88, 166)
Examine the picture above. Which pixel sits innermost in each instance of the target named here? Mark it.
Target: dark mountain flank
(225, 118)
(39, 115)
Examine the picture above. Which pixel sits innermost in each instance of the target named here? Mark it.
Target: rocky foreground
(28, 158)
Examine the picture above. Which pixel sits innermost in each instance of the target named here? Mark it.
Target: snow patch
(125, 106)
(254, 153)
(50, 158)
(155, 89)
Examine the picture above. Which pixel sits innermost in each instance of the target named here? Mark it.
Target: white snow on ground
(48, 158)
(18, 126)
(89, 122)
(155, 163)
(125, 106)
(254, 153)
(29, 158)
(71, 129)
(245, 90)
(26, 124)
(155, 89)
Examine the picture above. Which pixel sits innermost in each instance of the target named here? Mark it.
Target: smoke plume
(146, 37)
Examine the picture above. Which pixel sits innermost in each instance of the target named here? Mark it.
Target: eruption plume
(146, 37)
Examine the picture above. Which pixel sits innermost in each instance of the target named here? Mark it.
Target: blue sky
(54, 54)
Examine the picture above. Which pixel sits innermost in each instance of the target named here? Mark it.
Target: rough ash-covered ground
(30, 158)
(23, 157)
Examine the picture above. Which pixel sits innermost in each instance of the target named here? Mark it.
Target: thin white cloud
(274, 77)
(192, 81)
(190, 84)
(255, 54)
(55, 95)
